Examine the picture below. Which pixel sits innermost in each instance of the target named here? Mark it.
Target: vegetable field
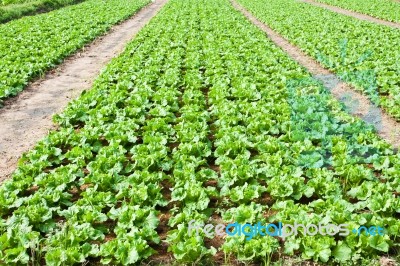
(388, 10)
(32, 45)
(362, 53)
(203, 118)
(10, 9)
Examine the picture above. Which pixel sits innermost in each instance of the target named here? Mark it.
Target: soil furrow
(27, 118)
(387, 127)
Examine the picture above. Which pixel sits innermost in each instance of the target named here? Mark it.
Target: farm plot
(387, 9)
(361, 53)
(32, 45)
(201, 118)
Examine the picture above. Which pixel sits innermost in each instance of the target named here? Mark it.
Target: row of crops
(203, 118)
(32, 45)
(362, 53)
(387, 9)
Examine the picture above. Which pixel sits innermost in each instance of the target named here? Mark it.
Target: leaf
(378, 242)
(342, 252)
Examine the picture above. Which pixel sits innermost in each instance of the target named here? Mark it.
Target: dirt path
(27, 118)
(386, 126)
(353, 14)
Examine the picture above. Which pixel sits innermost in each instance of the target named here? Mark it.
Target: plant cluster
(32, 45)
(201, 118)
(387, 9)
(15, 10)
(370, 60)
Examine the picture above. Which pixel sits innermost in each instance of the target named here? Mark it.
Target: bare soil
(387, 127)
(354, 14)
(27, 118)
